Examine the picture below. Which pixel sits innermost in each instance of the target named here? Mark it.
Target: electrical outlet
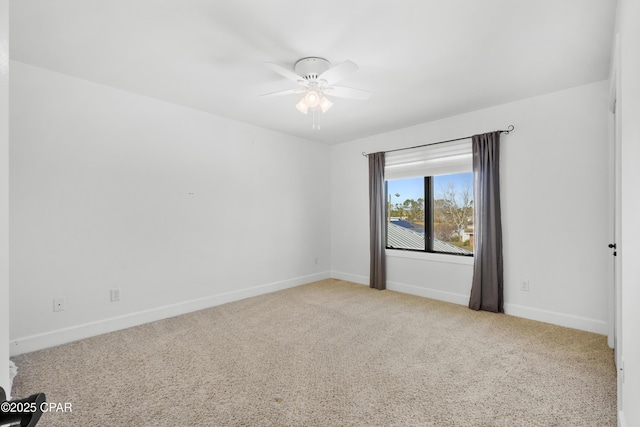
(58, 304)
(315, 261)
(524, 286)
(115, 295)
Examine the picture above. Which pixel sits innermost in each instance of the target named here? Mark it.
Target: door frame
(615, 209)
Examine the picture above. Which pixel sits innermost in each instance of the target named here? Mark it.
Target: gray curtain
(377, 222)
(487, 286)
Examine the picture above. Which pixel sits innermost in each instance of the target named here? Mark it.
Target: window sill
(427, 256)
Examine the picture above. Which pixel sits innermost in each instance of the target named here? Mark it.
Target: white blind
(430, 160)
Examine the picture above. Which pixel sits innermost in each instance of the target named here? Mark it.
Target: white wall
(178, 208)
(554, 177)
(629, 109)
(4, 195)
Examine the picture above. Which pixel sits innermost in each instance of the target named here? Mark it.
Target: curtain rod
(509, 129)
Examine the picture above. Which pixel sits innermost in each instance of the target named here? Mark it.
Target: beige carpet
(330, 353)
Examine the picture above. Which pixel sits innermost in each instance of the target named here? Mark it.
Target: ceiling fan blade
(284, 72)
(283, 92)
(338, 72)
(347, 92)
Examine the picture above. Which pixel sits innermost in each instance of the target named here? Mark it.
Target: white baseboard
(61, 336)
(404, 288)
(621, 420)
(407, 289)
(429, 293)
(560, 319)
(65, 335)
(363, 280)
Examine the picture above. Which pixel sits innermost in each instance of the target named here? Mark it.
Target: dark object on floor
(25, 411)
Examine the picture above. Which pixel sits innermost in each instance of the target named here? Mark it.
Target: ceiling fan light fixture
(325, 104)
(312, 99)
(302, 106)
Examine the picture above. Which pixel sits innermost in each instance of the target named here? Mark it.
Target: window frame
(428, 220)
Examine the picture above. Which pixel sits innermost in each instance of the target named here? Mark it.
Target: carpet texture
(330, 353)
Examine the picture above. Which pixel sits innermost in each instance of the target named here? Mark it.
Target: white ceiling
(422, 59)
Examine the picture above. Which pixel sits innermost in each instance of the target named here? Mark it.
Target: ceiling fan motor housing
(310, 68)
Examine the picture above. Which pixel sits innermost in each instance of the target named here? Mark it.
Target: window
(432, 214)
(429, 195)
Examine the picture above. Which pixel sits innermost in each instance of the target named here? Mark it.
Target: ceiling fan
(315, 78)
